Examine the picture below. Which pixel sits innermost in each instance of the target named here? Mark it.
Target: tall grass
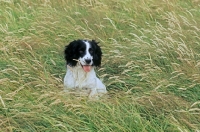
(151, 65)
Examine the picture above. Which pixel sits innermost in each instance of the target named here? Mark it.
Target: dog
(82, 56)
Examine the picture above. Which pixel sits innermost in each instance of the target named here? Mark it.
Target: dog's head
(88, 53)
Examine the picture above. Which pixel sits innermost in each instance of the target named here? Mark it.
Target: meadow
(150, 65)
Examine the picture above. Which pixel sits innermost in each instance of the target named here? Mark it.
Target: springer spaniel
(81, 57)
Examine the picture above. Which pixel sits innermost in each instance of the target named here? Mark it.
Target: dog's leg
(93, 93)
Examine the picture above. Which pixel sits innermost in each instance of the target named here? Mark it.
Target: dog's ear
(97, 53)
(70, 53)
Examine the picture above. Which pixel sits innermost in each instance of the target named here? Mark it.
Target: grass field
(151, 65)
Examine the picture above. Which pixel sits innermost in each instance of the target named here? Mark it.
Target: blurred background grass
(151, 64)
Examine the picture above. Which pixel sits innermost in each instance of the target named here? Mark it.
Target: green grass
(151, 65)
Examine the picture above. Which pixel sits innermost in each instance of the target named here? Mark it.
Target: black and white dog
(81, 57)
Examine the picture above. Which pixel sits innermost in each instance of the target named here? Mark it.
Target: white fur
(76, 77)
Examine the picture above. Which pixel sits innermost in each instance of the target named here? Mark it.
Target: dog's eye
(91, 51)
(81, 51)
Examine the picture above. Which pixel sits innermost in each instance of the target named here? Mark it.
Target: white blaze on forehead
(88, 46)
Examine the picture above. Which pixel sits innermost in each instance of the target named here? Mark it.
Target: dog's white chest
(77, 78)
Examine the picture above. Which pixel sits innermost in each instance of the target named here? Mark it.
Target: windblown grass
(151, 65)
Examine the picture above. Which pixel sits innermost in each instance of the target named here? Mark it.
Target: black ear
(97, 53)
(70, 53)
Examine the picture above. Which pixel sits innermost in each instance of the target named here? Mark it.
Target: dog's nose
(88, 61)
